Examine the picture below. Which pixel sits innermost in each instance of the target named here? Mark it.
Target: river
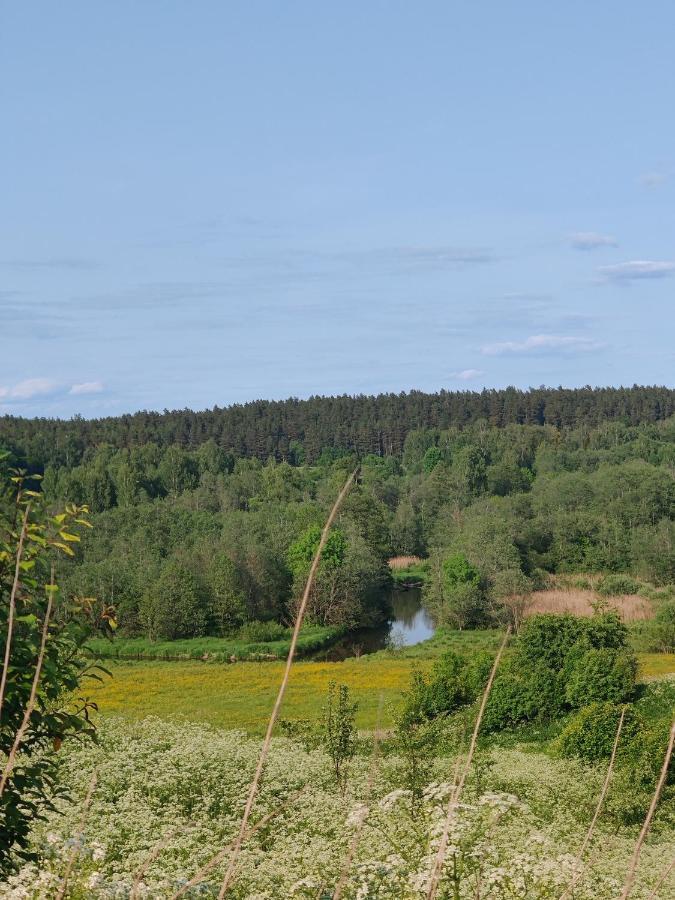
(409, 624)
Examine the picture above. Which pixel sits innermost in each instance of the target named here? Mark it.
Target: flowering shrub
(182, 788)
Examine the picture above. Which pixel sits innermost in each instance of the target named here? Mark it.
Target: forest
(511, 728)
(299, 430)
(199, 540)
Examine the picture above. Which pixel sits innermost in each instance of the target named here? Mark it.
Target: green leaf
(66, 549)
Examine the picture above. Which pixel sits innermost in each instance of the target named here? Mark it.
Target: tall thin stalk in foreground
(30, 706)
(222, 853)
(74, 853)
(630, 878)
(603, 793)
(282, 687)
(435, 876)
(148, 861)
(661, 879)
(356, 837)
(12, 604)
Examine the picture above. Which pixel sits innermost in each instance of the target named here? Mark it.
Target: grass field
(312, 638)
(240, 695)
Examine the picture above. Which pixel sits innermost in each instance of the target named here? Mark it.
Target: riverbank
(408, 624)
(312, 639)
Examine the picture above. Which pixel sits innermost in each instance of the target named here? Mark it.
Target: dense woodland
(299, 430)
(194, 537)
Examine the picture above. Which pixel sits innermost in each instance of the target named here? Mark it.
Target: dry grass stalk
(152, 856)
(601, 799)
(74, 853)
(630, 878)
(12, 604)
(30, 706)
(221, 854)
(356, 837)
(402, 562)
(662, 879)
(631, 607)
(282, 687)
(435, 876)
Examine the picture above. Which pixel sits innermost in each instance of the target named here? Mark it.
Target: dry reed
(435, 875)
(631, 607)
(630, 878)
(12, 605)
(662, 879)
(149, 860)
(402, 562)
(576, 878)
(282, 687)
(221, 854)
(30, 706)
(356, 837)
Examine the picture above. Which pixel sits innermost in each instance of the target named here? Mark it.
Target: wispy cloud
(430, 257)
(592, 240)
(55, 263)
(637, 269)
(27, 389)
(653, 179)
(87, 387)
(467, 374)
(542, 343)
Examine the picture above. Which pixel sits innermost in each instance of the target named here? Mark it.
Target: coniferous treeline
(299, 430)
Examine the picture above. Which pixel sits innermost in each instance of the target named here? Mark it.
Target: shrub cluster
(562, 663)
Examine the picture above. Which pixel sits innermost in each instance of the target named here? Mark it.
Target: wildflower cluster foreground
(169, 796)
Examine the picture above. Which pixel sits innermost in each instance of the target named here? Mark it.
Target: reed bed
(403, 562)
(631, 607)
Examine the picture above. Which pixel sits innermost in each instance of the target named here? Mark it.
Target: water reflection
(410, 624)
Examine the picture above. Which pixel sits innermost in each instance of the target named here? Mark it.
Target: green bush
(589, 734)
(262, 632)
(547, 639)
(511, 701)
(561, 663)
(662, 628)
(476, 673)
(601, 674)
(446, 690)
(453, 682)
(606, 630)
(614, 585)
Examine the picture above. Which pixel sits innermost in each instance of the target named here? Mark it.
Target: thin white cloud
(27, 389)
(653, 179)
(56, 263)
(637, 269)
(467, 374)
(542, 343)
(87, 387)
(445, 255)
(592, 240)
(419, 256)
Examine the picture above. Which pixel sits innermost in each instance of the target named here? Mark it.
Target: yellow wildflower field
(240, 695)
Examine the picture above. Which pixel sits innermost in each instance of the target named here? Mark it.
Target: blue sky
(205, 202)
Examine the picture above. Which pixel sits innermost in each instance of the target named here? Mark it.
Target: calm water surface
(410, 624)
